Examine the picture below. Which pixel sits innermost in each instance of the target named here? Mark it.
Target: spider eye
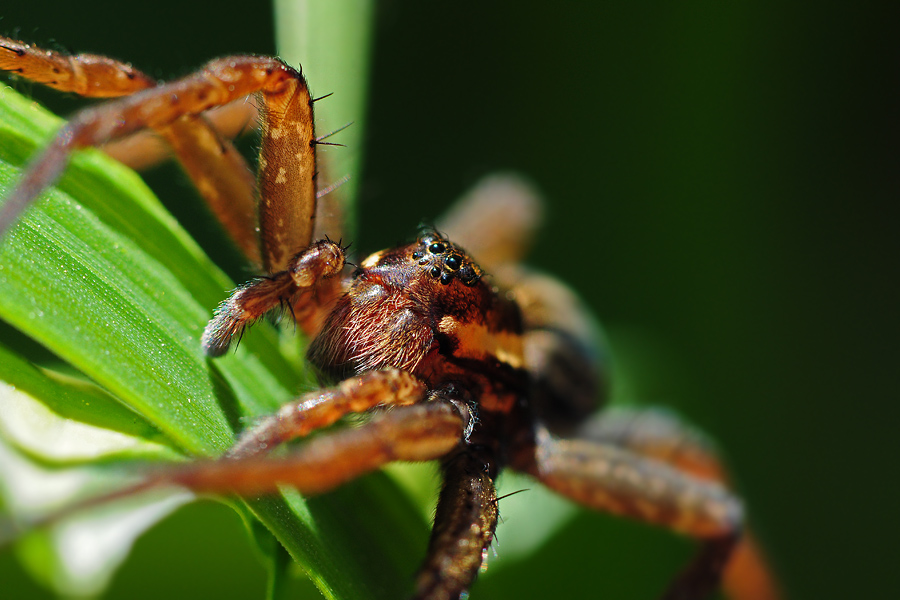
(417, 255)
(437, 248)
(435, 271)
(453, 262)
(446, 278)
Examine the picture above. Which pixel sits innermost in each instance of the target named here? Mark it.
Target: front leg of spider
(316, 410)
(287, 154)
(218, 170)
(420, 432)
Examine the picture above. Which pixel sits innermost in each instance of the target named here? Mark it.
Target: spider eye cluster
(444, 261)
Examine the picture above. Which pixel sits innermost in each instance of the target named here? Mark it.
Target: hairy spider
(483, 364)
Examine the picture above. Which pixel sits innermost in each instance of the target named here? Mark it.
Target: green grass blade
(331, 42)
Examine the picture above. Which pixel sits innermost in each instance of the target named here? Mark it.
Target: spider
(455, 351)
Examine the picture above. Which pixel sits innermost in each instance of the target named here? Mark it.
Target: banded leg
(217, 169)
(610, 479)
(322, 408)
(660, 435)
(408, 433)
(287, 156)
(464, 526)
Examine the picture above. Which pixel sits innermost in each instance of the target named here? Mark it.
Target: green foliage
(102, 277)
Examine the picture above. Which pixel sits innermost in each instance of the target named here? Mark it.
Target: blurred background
(722, 190)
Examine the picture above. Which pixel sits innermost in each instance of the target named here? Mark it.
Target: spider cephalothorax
(425, 308)
(478, 369)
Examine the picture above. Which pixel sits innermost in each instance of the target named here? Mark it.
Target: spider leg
(146, 149)
(287, 156)
(658, 434)
(611, 479)
(87, 75)
(217, 169)
(221, 175)
(661, 436)
(464, 526)
(307, 286)
(407, 433)
(323, 407)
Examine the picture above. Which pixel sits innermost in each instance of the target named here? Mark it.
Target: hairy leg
(614, 480)
(87, 75)
(662, 436)
(407, 433)
(658, 434)
(464, 526)
(322, 408)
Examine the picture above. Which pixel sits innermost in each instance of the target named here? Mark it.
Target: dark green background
(722, 189)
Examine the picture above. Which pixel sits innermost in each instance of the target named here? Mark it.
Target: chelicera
(483, 364)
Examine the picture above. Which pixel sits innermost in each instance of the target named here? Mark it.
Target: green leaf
(99, 274)
(67, 420)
